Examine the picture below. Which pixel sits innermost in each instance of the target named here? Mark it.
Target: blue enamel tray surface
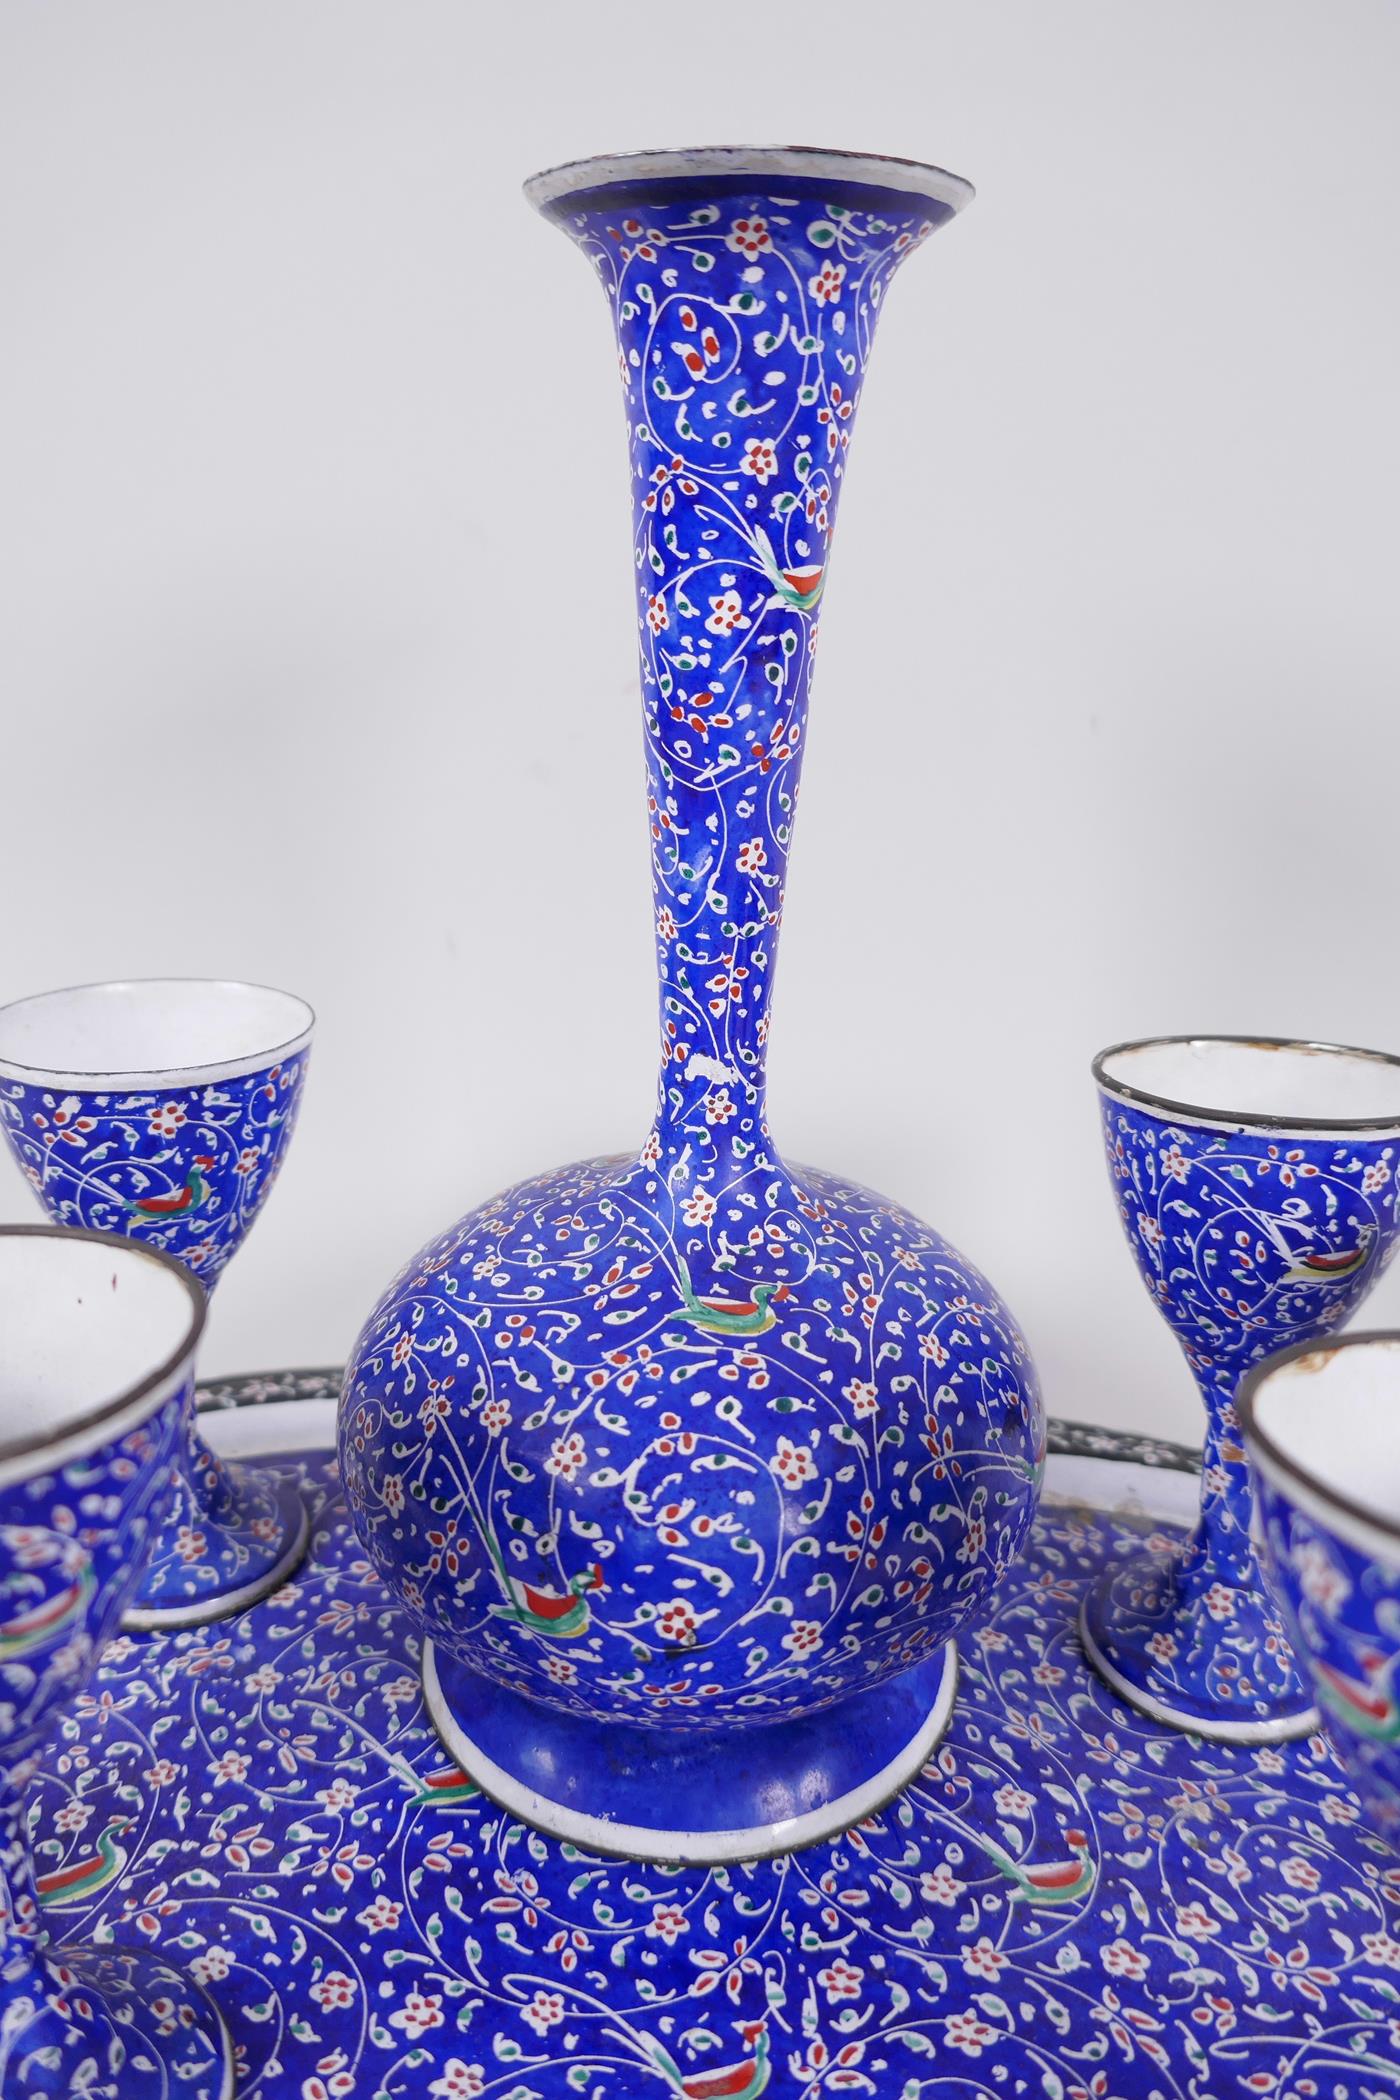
(1070, 1904)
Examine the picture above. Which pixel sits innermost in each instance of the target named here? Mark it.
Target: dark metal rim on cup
(1279, 1461)
(157, 1073)
(108, 1410)
(1242, 1119)
(602, 170)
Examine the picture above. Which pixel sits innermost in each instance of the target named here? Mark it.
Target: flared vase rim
(885, 171)
(1241, 1118)
(55, 1447)
(148, 1078)
(1332, 1505)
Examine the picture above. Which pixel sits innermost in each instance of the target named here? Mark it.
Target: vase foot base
(750, 1792)
(1227, 1680)
(251, 1556)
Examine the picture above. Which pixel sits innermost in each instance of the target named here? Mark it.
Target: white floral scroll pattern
(186, 1169)
(534, 1413)
(696, 1434)
(1068, 1903)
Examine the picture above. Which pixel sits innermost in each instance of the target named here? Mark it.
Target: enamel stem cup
(162, 1110)
(1256, 1186)
(1322, 1427)
(97, 1347)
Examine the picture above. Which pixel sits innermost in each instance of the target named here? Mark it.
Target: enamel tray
(1069, 1904)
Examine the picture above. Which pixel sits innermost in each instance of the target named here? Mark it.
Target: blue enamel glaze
(73, 1535)
(1066, 1900)
(797, 1770)
(182, 1168)
(1334, 1560)
(185, 1169)
(1341, 1604)
(695, 1436)
(1246, 1240)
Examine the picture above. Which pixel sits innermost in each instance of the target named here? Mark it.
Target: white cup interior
(150, 1029)
(1335, 1415)
(1262, 1082)
(81, 1324)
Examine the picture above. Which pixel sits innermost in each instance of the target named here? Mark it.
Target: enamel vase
(690, 1462)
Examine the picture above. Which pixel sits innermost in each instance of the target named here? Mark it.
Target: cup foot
(220, 1551)
(745, 1793)
(1206, 1657)
(111, 2026)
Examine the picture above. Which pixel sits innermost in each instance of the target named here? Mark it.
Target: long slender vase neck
(744, 308)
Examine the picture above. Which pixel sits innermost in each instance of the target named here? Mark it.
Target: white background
(316, 617)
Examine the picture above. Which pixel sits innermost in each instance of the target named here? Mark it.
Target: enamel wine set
(689, 1465)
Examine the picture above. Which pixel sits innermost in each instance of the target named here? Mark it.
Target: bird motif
(799, 587)
(1367, 1705)
(743, 2080)
(448, 1787)
(740, 1316)
(40, 1622)
(181, 1201)
(1315, 1266)
(545, 1611)
(1049, 1881)
(82, 1878)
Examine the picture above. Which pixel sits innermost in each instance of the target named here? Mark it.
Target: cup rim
(1274, 1459)
(887, 171)
(134, 1079)
(1246, 1119)
(78, 1431)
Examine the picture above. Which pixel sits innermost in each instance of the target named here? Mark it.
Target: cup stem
(234, 1533)
(1221, 1543)
(1188, 1636)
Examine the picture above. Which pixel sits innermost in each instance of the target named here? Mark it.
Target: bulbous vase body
(690, 1463)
